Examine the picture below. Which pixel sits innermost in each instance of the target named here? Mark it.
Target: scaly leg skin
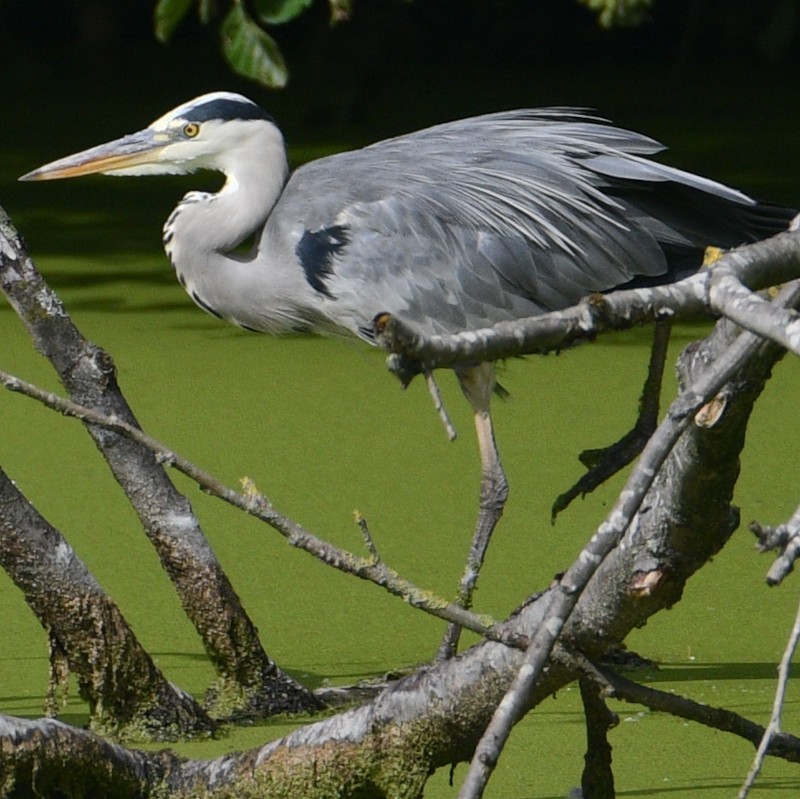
(477, 384)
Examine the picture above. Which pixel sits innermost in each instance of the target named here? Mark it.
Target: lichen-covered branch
(249, 681)
(128, 696)
(47, 758)
(436, 717)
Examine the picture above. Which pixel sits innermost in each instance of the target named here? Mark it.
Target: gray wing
(493, 218)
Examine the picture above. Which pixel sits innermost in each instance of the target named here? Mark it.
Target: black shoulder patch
(225, 108)
(316, 251)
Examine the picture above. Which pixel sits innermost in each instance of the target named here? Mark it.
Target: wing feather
(501, 216)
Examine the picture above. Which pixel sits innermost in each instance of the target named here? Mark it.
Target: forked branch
(569, 589)
(786, 539)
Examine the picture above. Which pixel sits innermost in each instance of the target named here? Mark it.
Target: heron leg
(477, 383)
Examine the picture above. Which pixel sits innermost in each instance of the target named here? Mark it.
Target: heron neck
(203, 233)
(220, 222)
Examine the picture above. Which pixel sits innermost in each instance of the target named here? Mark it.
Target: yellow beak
(129, 155)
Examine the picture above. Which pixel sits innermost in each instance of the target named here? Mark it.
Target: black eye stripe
(226, 109)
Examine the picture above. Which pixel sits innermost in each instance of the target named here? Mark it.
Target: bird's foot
(604, 463)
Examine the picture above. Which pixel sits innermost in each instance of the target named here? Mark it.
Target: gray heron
(451, 228)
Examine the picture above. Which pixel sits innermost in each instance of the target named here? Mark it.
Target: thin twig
(256, 504)
(369, 542)
(774, 725)
(781, 745)
(433, 388)
(566, 593)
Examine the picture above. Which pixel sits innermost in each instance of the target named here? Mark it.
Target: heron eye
(191, 129)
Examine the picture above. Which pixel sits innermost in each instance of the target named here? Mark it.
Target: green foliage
(254, 54)
(251, 51)
(167, 15)
(247, 47)
(276, 12)
(617, 13)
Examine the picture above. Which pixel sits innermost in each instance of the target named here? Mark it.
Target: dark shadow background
(715, 79)
(402, 61)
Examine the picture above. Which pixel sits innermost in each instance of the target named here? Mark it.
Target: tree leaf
(250, 51)
(340, 10)
(276, 12)
(205, 11)
(620, 13)
(167, 15)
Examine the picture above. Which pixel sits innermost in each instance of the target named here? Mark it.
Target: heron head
(209, 132)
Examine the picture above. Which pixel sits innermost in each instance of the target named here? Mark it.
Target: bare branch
(784, 537)
(49, 755)
(759, 265)
(781, 745)
(127, 694)
(774, 726)
(566, 594)
(249, 683)
(730, 297)
(438, 404)
(403, 731)
(256, 504)
(597, 781)
(369, 542)
(489, 668)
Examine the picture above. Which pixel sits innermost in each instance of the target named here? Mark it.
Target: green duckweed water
(323, 430)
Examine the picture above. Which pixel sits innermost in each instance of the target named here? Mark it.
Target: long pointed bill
(129, 155)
